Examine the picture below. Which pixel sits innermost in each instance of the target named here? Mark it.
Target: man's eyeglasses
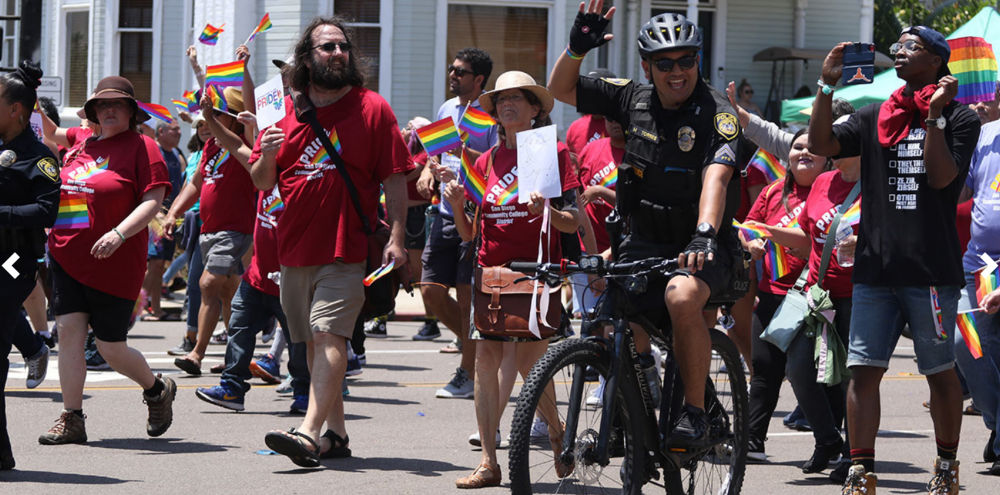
(459, 71)
(331, 47)
(667, 64)
(908, 45)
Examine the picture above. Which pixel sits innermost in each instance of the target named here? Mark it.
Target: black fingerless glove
(587, 33)
(701, 244)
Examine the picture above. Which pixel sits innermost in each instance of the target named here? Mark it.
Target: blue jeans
(175, 267)
(982, 375)
(194, 290)
(879, 314)
(252, 309)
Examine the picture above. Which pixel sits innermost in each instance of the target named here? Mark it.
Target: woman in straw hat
(510, 232)
(112, 187)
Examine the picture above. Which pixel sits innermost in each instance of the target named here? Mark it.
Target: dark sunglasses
(748, 91)
(667, 64)
(345, 46)
(459, 71)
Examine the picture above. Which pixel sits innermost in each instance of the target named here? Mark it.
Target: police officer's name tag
(643, 133)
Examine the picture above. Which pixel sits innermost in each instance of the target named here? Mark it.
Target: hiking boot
(161, 410)
(182, 349)
(266, 368)
(691, 430)
(822, 455)
(69, 428)
(375, 329)
(461, 386)
(859, 482)
(945, 480)
(429, 331)
(222, 395)
(38, 366)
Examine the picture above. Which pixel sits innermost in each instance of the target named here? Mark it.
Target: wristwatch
(939, 122)
(705, 229)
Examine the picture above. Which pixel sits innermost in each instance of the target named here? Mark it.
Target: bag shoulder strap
(834, 225)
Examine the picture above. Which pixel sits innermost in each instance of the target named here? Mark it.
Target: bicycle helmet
(667, 32)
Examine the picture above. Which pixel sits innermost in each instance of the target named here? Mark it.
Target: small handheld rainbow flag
(156, 111)
(986, 282)
(751, 232)
(475, 185)
(967, 325)
(475, 121)
(439, 137)
(230, 74)
(72, 213)
(218, 99)
(182, 105)
(210, 35)
(379, 273)
(972, 62)
(610, 180)
(193, 97)
(264, 25)
(779, 261)
(769, 164)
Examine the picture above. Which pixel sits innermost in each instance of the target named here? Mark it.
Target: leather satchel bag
(502, 308)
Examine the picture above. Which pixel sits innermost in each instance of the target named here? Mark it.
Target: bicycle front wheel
(533, 467)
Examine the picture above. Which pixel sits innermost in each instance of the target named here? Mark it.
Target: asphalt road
(404, 440)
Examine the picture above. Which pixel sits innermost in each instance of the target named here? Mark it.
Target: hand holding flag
(379, 273)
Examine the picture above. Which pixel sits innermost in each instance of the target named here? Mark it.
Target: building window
(515, 37)
(365, 18)
(77, 46)
(11, 34)
(135, 60)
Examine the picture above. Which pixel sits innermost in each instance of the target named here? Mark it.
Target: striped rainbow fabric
(439, 137)
(210, 35)
(972, 62)
(986, 282)
(156, 111)
(769, 164)
(218, 99)
(230, 74)
(72, 213)
(475, 185)
(264, 25)
(752, 232)
(475, 121)
(779, 261)
(967, 325)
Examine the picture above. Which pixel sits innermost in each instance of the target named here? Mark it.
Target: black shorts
(416, 227)
(446, 259)
(110, 316)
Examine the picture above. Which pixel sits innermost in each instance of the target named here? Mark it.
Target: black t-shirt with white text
(907, 235)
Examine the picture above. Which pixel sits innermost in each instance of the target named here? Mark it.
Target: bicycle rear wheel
(532, 461)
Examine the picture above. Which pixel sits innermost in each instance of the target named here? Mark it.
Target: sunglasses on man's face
(331, 47)
(667, 64)
(459, 71)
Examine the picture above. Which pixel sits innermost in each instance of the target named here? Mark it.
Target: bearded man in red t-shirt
(322, 241)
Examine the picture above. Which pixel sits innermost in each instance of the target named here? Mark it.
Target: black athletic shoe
(691, 430)
(822, 455)
(839, 475)
(429, 331)
(990, 455)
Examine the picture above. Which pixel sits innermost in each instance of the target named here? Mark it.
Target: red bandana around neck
(896, 114)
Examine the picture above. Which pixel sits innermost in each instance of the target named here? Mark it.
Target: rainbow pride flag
(986, 282)
(193, 97)
(475, 121)
(210, 35)
(779, 261)
(379, 273)
(439, 137)
(967, 325)
(475, 185)
(182, 105)
(218, 99)
(264, 25)
(751, 232)
(72, 213)
(230, 74)
(156, 111)
(509, 196)
(769, 164)
(610, 180)
(972, 62)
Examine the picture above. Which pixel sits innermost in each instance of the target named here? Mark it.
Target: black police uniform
(29, 201)
(659, 182)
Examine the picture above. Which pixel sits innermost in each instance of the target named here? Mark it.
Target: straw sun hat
(516, 79)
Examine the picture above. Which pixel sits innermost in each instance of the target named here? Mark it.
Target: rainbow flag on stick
(986, 282)
(193, 97)
(156, 111)
(769, 164)
(264, 25)
(182, 105)
(972, 62)
(475, 185)
(475, 121)
(967, 325)
(379, 273)
(751, 232)
(210, 35)
(230, 74)
(218, 99)
(439, 137)
(779, 261)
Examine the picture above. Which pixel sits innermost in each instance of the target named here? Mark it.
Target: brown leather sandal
(478, 479)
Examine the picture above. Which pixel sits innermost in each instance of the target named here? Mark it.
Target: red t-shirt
(319, 225)
(76, 135)
(754, 178)
(584, 130)
(411, 186)
(109, 176)
(265, 243)
(963, 222)
(598, 161)
(769, 210)
(228, 196)
(827, 193)
(509, 234)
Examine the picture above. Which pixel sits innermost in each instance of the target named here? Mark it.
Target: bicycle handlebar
(596, 265)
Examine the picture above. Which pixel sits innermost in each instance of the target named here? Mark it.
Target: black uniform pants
(13, 292)
(768, 370)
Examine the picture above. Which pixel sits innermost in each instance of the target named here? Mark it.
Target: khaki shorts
(324, 298)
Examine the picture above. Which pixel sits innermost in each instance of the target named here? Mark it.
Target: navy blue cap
(934, 41)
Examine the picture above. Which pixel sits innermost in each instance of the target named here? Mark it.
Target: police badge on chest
(685, 139)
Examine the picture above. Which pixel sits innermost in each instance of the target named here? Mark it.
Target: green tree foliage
(892, 16)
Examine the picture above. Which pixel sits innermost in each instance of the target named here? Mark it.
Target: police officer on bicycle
(674, 189)
(29, 201)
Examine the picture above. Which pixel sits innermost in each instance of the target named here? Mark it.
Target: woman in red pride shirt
(778, 205)
(112, 187)
(510, 232)
(824, 407)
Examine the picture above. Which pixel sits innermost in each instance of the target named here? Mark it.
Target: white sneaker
(461, 386)
(286, 386)
(219, 338)
(539, 429)
(37, 367)
(476, 441)
(596, 397)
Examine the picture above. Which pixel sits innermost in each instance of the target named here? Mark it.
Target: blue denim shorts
(879, 314)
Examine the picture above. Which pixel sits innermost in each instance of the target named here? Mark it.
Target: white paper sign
(538, 164)
(36, 125)
(270, 103)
